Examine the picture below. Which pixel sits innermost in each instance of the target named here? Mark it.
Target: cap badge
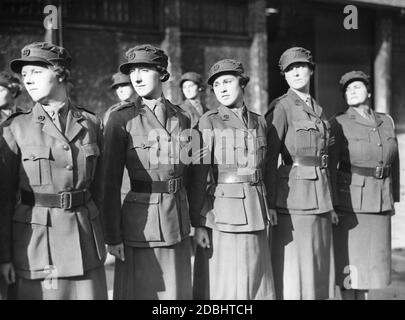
(26, 52)
(41, 118)
(131, 55)
(216, 67)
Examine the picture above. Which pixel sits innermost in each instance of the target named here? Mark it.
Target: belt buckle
(256, 177)
(66, 200)
(174, 185)
(379, 172)
(324, 160)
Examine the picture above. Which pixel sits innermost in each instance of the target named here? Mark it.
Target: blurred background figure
(10, 89)
(125, 92)
(191, 85)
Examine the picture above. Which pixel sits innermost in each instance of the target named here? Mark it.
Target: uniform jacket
(37, 157)
(192, 111)
(145, 219)
(295, 129)
(364, 144)
(236, 207)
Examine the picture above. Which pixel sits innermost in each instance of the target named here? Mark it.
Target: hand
(273, 217)
(117, 251)
(7, 272)
(335, 218)
(201, 237)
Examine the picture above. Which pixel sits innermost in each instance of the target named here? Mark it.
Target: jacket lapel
(230, 118)
(41, 117)
(353, 114)
(73, 125)
(301, 103)
(172, 122)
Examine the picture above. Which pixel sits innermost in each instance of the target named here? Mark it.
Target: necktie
(245, 116)
(160, 113)
(56, 120)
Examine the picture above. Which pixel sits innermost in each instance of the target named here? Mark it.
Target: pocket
(305, 135)
(229, 207)
(30, 238)
(296, 188)
(141, 221)
(37, 165)
(91, 153)
(359, 146)
(145, 153)
(350, 190)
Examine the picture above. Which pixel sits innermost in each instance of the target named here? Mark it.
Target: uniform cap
(295, 54)
(225, 66)
(120, 79)
(144, 54)
(192, 76)
(353, 76)
(42, 52)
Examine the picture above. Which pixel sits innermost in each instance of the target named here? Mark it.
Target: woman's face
(146, 81)
(6, 98)
(41, 82)
(356, 93)
(227, 90)
(124, 92)
(190, 89)
(298, 76)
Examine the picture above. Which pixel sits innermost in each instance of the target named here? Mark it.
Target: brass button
(143, 145)
(222, 193)
(379, 144)
(374, 129)
(32, 157)
(66, 147)
(69, 167)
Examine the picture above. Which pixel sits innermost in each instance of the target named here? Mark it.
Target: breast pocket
(91, 152)
(144, 153)
(359, 146)
(141, 220)
(306, 135)
(37, 164)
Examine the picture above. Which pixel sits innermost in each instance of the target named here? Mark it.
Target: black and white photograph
(211, 153)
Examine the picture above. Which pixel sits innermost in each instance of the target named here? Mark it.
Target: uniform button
(374, 129)
(32, 157)
(380, 162)
(142, 145)
(66, 147)
(379, 144)
(69, 167)
(222, 193)
(318, 122)
(69, 189)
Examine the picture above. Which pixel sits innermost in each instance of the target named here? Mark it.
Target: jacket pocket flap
(304, 125)
(35, 215)
(142, 197)
(141, 142)
(306, 173)
(91, 149)
(351, 179)
(35, 152)
(230, 191)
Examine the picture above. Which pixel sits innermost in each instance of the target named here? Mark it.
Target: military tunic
(237, 266)
(154, 226)
(302, 253)
(192, 111)
(365, 203)
(49, 241)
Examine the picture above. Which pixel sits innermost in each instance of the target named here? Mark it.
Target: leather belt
(376, 172)
(311, 161)
(234, 177)
(64, 200)
(168, 186)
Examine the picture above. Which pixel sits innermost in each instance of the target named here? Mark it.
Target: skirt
(302, 256)
(363, 250)
(236, 267)
(90, 286)
(161, 273)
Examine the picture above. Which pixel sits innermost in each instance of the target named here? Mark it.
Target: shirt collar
(62, 109)
(303, 96)
(151, 103)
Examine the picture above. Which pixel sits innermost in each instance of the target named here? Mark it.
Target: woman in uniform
(149, 233)
(51, 241)
(364, 164)
(299, 189)
(232, 236)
